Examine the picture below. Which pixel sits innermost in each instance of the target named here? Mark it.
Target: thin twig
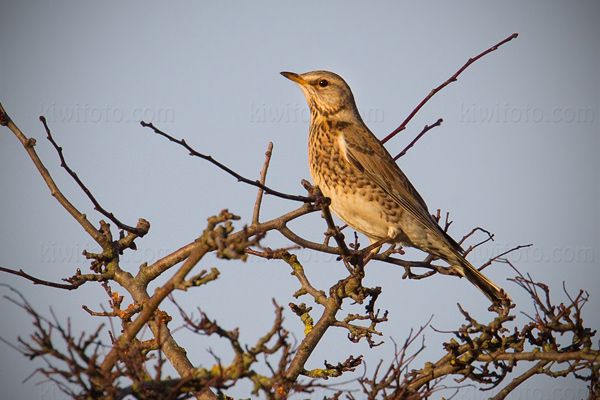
(491, 260)
(337, 235)
(419, 136)
(453, 78)
(28, 144)
(263, 177)
(231, 172)
(490, 235)
(472, 247)
(37, 281)
(520, 379)
(97, 206)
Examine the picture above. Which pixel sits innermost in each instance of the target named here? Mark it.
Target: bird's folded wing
(365, 152)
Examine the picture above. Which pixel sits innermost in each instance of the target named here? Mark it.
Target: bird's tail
(481, 282)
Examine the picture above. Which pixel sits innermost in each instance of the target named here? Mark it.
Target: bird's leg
(368, 252)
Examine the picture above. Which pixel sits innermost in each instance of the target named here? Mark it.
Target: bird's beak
(294, 77)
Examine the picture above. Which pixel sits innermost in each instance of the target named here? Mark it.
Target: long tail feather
(481, 282)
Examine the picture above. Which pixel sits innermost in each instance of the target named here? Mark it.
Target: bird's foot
(371, 250)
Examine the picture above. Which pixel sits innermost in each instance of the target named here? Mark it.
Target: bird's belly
(374, 220)
(365, 215)
(378, 217)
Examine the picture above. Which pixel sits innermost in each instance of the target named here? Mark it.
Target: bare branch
(490, 236)
(453, 78)
(419, 136)
(231, 172)
(140, 230)
(28, 144)
(37, 281)
(263, 178)
(499, 256)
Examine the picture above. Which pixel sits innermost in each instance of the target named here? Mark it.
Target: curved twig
(28, 144)
(63, 163)
(231, 172)
(453, 78)
(37, 281)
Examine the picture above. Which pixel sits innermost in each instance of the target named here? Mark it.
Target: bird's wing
(365, 152)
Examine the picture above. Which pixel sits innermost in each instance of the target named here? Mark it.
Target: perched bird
(368, 191)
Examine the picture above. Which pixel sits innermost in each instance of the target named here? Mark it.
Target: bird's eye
(323, 83)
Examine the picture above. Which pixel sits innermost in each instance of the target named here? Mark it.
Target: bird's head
(326, 93)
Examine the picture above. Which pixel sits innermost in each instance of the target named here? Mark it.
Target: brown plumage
(367, 189)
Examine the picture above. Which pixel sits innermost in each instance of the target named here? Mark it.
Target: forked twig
(490, 236)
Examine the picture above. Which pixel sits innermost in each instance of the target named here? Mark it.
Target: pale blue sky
(517, 153)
